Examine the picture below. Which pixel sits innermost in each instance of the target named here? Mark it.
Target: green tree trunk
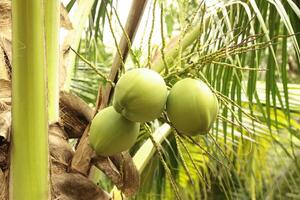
(29, 151)
(52, 18)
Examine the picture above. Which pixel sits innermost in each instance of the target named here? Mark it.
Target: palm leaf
(242, 54)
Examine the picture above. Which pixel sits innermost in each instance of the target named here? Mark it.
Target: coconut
(140, 95)
(192, 107)
(111, 133)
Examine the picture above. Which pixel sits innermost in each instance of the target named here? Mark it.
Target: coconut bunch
(141, 95)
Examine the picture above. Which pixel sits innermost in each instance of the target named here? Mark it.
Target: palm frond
(243, 54)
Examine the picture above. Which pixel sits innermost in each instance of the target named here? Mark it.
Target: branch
(82, 158)
(122, 172)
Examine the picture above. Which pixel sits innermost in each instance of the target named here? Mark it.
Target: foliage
(245, 54)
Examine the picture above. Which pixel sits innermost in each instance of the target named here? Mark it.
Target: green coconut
(192, 107)
(111, 133)
(140, 95)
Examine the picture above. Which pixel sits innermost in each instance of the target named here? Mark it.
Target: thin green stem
(237, 67)
(190, 157)
(178, 143)
(151, 33)
(115, 41)
(94, 68)
(209, 154)
(165, 165)
(127, 39)
(180, 45)
(162, 50)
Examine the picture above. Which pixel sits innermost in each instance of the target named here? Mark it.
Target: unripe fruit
(140, 95)
(192, 107)
(111, 133)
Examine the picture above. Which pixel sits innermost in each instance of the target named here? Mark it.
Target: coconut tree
(240, 50)
(245, 52)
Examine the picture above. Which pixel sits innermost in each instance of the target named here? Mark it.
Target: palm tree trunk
(29, 148)
(52, 18)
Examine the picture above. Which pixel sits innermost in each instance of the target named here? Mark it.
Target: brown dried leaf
(73, 186)
(5, 19)
(75, 103)
(75, 114)
(130, 174)
(5, 124)
(109, 169)
(6, 45)
(60, 150)
(65, 21)
(3, 68)
(5, 91)
(127, 180)
(3, 184)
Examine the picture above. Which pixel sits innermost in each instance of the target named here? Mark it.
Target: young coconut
(111, 133)
(192, 107)
(140, 95)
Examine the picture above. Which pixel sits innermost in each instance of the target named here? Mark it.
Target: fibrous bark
(121, 170)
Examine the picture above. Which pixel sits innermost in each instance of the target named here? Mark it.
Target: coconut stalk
(147, 150)
(145, 153)
(29, 179)
(83, 155)
(52, 19)
(142, 157)
(179, 45)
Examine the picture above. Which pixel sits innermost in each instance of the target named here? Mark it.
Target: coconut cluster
(141, 95)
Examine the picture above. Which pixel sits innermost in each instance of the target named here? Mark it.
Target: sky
(123, 7)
